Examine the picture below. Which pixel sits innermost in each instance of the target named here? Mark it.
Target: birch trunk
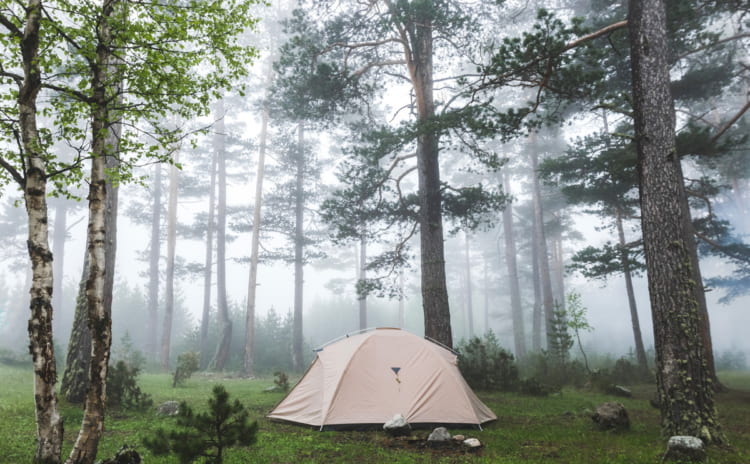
(49, 425)
(684, 384)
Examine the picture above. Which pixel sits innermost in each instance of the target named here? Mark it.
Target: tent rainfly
(366, 379)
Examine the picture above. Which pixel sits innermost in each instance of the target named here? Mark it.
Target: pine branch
(731, 122)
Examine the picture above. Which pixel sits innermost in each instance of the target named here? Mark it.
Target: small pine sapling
(206, 435)
(187, 364)
(576, 313)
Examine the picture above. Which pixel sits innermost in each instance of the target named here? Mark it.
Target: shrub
(187, 364)
(206, 434)
(281, 381)
(123, 390)
(731, 361)
(486, 365)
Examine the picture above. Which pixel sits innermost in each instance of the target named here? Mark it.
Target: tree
(684, 385)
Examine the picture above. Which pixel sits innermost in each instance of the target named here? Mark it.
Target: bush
(731, 361)
(281, 381)
(486, 365)
(187, 365)
(206, 434)
(123, 390)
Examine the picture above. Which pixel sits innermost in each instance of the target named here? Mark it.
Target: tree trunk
(101, 240)
(558, 266)
(684, 385)
(299, 238)
(225, 339)
(166, 332)
(469, 302)
(541, 246)
(208, 271)
(486, 295)
(640, 352)
(536, 321)
(154, 254)
(58, 251)
(49, 424)
(252, 284)
(437, 317)
(362, 277)
(519, 334)
(401, 299)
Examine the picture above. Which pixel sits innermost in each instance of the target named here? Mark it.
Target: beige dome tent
(367, 378)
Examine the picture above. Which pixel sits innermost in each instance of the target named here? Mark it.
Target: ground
(555, 429)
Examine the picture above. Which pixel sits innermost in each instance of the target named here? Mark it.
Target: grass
(555, 429)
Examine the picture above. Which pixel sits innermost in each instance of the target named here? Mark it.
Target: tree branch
(713, 44)
(603, 31)
(731, 122)
(13, 172)
(379, 64)
(10, 26)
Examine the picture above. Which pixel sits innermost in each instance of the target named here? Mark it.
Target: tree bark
(469, 302)
(684, 385)
(252, 284)
(299, 239)
(166, 332)
(437, 317)
(49, 424)
(362, 299)
(154, 254)
(225, 339)
(640, 351)
(536, 321)
(519, 334)
(541, 247)
(208, 270)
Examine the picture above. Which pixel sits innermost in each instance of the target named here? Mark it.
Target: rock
(125, 455)
(619, 390)
(397, 426)
(170, 408)
(611, 416)
(459, 438)
(472, 443)
(440, 434)
(683, 448)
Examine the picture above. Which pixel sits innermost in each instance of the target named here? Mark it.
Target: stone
(396, 426)
(472, 443)
(440, 434)
(125, 455)
(611, 416)
(684, 448)
(169, 408)
(459, 438)
(619, 390)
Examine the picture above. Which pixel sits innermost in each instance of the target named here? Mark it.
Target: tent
(367, 378)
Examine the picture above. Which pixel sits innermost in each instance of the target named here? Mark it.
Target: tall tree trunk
(401, 299)
(208, 267)
(486, 295)
(469, 302)
(541, 246)
(362, 299)
(557, 270)
(299, 240)
(640, 351)
(437, 317)
(166, 331)
(252, 284)
(49, 425)
(519, 334)
(154, 253)
(536, 317)
(58, 251)
(225, 339)
(684, 385)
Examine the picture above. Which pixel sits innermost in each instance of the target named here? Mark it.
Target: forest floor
(554, 429)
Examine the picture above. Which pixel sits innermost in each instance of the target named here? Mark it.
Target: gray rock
(397, 426)
(459, 438)
(170, 408)
(440, 434)
(611, 416)
(619, 390)
(685, 448)
(472, 443)
(125, 455)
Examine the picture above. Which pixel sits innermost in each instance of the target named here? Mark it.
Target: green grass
(556, 429)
